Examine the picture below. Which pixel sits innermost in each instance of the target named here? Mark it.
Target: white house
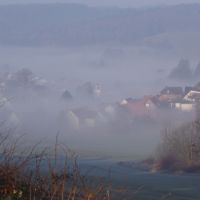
(192, 96)
(185, 106)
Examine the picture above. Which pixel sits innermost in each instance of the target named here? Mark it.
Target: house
(189, 88)
(86, 116)
(172, 91)
(140, 107)
(192, 96)
(78, 118)
(171, 94)
(176, 99)
(184, 106)
(126, 101)
(150, 102)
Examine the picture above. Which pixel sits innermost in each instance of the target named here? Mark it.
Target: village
(86, 107)
(170, 98)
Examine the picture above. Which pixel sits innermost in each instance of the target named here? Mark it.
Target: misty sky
(121, 3)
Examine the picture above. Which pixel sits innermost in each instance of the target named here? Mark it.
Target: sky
(119, 3)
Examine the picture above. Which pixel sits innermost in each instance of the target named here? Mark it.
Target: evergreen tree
(182, 71)
(197, 71)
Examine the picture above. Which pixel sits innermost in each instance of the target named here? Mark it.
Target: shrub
(180, 147)
(45, 175)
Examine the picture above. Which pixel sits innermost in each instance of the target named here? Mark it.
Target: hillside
(74, 24)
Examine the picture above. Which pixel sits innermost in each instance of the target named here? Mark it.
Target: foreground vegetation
(180, 149)
(33, 174)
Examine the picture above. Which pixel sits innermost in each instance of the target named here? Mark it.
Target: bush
(180, 147)
(45, 175)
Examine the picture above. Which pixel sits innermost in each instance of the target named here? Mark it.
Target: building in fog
(184, 106)
(171, 94)
(192, 96)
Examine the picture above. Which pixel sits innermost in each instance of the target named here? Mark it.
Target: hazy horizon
(125, 3)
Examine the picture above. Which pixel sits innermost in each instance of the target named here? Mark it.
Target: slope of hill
(74, 24)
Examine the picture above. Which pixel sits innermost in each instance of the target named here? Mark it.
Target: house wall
(169, 98)
(184, 107)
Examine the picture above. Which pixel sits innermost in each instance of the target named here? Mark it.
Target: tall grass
(43, 174)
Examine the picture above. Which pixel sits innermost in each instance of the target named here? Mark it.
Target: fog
(76, 90)
(125, 3)
(91, 124)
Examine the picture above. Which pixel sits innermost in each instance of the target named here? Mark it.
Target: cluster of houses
(173, 98)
